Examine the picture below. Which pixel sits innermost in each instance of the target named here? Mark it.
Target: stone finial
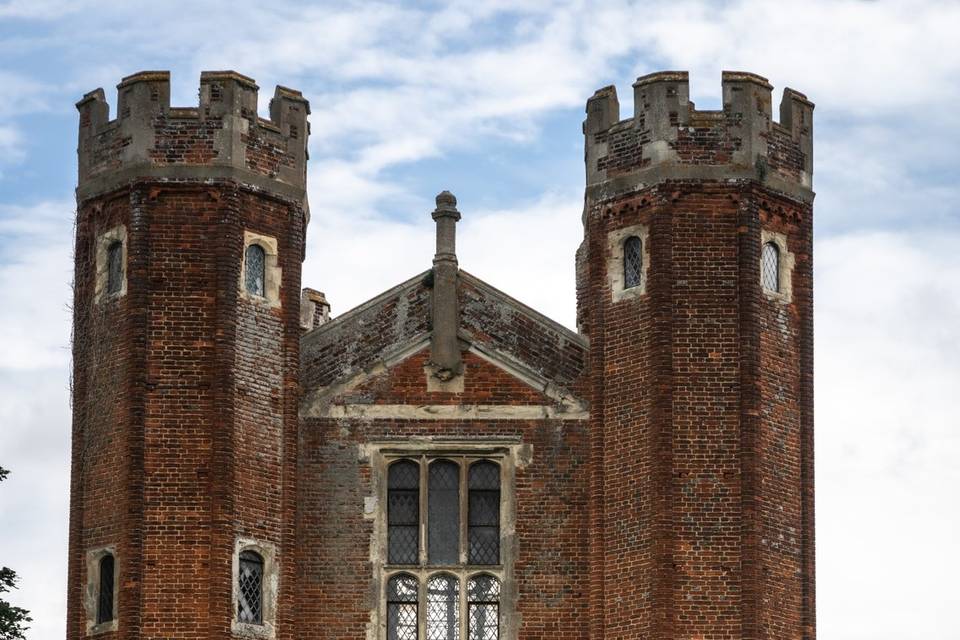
(445, 358)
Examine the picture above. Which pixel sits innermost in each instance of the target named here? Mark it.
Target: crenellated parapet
(222, 137)
(667, 137)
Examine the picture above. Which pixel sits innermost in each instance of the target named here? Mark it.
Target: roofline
(389, 293)
(531, 312)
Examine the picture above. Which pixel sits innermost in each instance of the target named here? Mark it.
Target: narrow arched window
(402, 608)
(483, 608)
(632, 262)
(250, 588)
(443, 608)
(484, 513)
(770, 267)
(105, 593)
(443, 513)
(403, 513)
(114, 267)
(255, 268)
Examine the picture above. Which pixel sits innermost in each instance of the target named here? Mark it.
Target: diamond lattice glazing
(770, 267)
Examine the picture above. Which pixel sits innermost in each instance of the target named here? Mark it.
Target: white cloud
(394, 85)
(35, 276)
(888, 436)
(11, 145)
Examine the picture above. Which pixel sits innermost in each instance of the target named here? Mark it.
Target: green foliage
(12, 619)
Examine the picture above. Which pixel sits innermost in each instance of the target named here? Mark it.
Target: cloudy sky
(486, 99)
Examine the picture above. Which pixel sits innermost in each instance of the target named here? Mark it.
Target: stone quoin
(442, 462)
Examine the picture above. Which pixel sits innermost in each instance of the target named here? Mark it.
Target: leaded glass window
(114, 267)
(255, 266)
(443, 608)
(484, 513)
(632, 262)
(770, 267)
(105, 593)
(483, 608)
(250, 588)
(402, 599)
(403, 513)
(443, 513)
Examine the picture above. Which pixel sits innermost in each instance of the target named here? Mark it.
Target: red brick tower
(695, 290)
(189, 243)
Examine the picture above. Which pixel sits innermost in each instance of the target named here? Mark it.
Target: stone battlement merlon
(224, 134)
(666, 130)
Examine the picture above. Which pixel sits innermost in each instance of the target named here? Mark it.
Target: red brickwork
(701, 388)
(186, 394)
(668, 496)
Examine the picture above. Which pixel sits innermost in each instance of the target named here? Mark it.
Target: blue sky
(486, 99)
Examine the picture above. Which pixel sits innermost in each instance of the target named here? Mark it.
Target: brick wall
(200, 392)
(701, 420)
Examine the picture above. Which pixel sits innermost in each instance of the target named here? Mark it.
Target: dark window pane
(403, 513)
(402, 608)
(485, 475)
(115, 268)
(443, 608)
(484, 514)
(255, 269)
(770, 267)
(443, 513)
(632, 262)
(484, 508)
(484, 545)
(483, 597)
(250, 588)
(105, 597)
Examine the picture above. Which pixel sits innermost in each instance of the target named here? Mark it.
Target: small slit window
(443, 608)
(403, 513)
(105, 591)
(632, 262)
(443, 513)
(255, 270)
(770, 267)
(114, 267)
(484, 513)
(250, 588)
(402, 599)
(483, 608)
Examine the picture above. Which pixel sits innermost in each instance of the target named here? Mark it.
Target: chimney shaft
(444, 348)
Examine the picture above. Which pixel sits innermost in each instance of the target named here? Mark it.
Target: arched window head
(250, 588)
(403, 513)
(105, 591)
(483, 608)
(632, 262)
(484, 513)
(402, 599)
(255, 264)
(443, 608)
(114, 267)
(443, 513)
(770, 267)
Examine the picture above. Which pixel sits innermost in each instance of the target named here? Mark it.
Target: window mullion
(424, 482)
(464, 511)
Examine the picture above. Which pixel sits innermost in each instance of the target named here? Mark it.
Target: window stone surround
(510, 454)
(272, 273)
(615, 267)
(91, 594)
(271, 589)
